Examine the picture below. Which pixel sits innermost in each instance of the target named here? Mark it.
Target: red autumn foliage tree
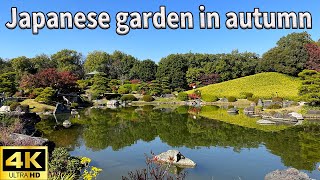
(49, 78)
(313, 62)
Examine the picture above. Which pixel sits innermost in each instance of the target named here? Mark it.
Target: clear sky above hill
(147, 44)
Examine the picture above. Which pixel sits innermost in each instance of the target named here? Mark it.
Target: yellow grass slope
(263, 85)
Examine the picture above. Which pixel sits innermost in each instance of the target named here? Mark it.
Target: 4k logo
(23, 162)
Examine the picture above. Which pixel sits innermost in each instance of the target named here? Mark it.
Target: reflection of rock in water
(289, 174)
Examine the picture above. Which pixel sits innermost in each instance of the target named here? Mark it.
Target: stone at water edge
(174, 157)
(288, 174)
(296, 115)
(66, 124)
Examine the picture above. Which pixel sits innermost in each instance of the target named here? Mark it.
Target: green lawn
(263, 85)
(37, 107)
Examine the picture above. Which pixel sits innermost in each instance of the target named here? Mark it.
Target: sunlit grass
(37, 107)
(263, 85)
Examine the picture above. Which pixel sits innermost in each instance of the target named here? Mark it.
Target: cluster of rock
(268, 103)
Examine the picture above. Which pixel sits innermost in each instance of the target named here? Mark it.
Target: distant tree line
(176, 72)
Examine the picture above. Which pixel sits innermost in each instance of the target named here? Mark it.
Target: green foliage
(124, 89)
(147, 98)
(232, 99)
(310, 87)
(144, 70)
(173, 68)
(22, 65)
(263, 85)
(289, 56)
(14, 105)
(68, 60)
(8, 103)
(128, 97)
(166, 91)
(46, 96)
(182, 96)
(62, 163)
(84, 83)
(97, 61)
(7, 83)
(100, 85)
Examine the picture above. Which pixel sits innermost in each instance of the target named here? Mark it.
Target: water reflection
(99, 129)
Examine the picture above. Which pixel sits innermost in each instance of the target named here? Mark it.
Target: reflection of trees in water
(298, 147)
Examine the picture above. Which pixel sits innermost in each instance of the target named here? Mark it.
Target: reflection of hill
(298, 147)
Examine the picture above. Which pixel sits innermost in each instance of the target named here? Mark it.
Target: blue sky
(151, 43)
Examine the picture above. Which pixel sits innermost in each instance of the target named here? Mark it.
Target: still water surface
(116, 141)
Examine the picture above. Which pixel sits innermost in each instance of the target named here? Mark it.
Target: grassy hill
(264, 85)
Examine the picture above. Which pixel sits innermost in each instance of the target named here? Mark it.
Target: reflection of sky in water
(234, 152)
(212, 163)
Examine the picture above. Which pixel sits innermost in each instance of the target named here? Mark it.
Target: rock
(289, 174)
(174, 157)
(314, 112)
(233, 110)
(249, 110)
(296, 115)
(35, 141)
(5, 109)
(260, 103)
(66, 124)
(224, 100)
(265, 122)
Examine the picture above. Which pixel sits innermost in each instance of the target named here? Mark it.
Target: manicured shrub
(129, 97)
(277, 99)
(254, 99)
(8, 103)
(183, 96)
(46, 95)
(214, 99)
(166, 91)
(246, 95)
(14, 106)
(123, 90)
(147, 98)
(232, 99)
(274, 106)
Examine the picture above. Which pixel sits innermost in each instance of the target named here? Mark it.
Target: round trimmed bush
(232, 99)
(129, 97)
(183, 96)
(147, 98)
(214, 99)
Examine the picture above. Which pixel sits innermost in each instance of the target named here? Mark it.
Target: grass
(263, 85)
(241, 119)
(37, 107)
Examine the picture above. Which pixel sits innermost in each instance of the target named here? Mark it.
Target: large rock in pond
(176, 158)
(289, 174)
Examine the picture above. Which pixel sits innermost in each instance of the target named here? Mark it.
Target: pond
(117, 139)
